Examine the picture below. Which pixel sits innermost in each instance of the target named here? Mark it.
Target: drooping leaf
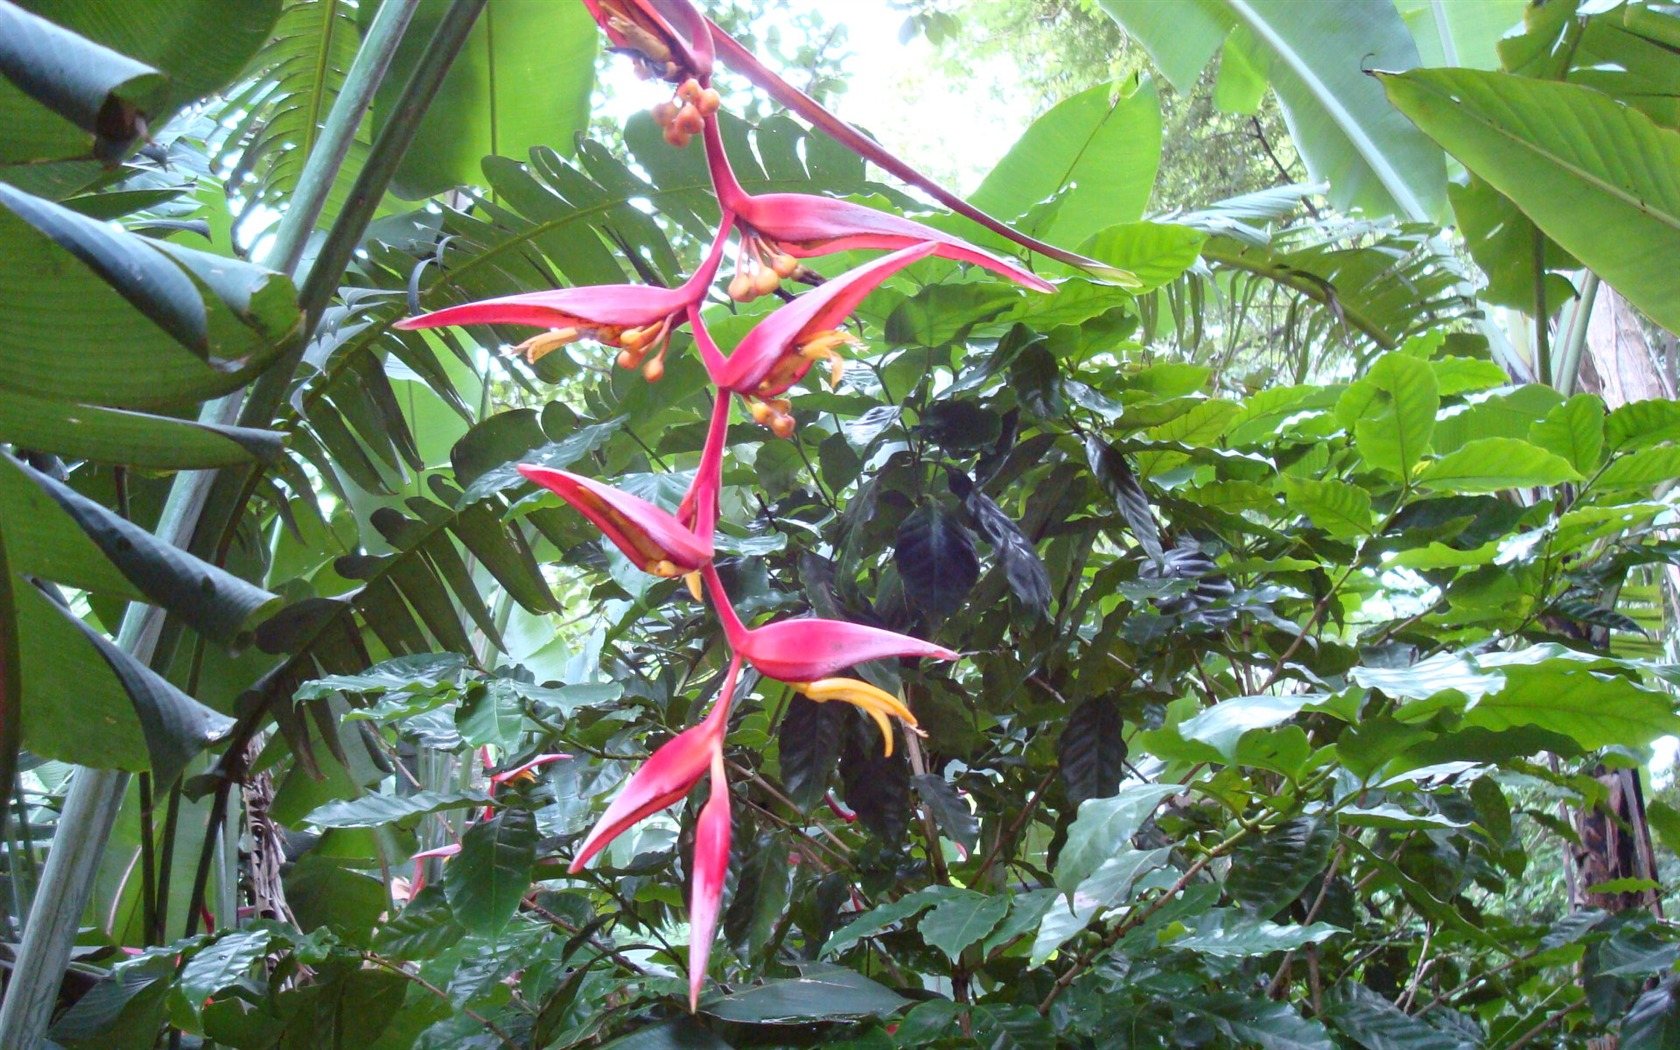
(221, 963)
(951, 813)
(1154, 252)
(372, 811)
(486, 880)
(808, 742)
(1092, 750)
(1316, 57)
(1373, 1022)
(1593, 174)
(1022, 567)
(936, 560)
(1108, 465)
(214, 601)
(1270, 871)
(1653, 1022)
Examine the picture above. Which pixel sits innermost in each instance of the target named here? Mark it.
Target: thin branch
(507, 1040)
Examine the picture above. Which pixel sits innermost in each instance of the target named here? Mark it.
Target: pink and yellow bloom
(808, 653)
(637, 319)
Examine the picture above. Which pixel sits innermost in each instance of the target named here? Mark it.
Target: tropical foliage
(1242, 612)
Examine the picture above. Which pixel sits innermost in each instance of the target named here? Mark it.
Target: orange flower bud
(689, 120)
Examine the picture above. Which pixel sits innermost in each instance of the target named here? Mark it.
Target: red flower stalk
(781, 348)
(747, 64)
(667, 775)
(635, 318)
(807, 652)
(779, 229)
(710, 869)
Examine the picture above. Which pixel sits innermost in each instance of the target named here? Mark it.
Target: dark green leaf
(1653, 1023)
(824, 992)
(1370, 1021)
(425, 928)
(1270, 871)
(959, 921)
(487, 879)
(1092, 750)
(808, 743)
(956, 821)
(935, 559)
(1109, 467)
(372, 811)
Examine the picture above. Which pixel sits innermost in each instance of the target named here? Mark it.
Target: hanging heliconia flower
(671, 41)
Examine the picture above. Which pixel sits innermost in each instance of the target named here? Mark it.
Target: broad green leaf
(215, 602)
(175, 726)
(372, 811)
(1595, 175)
(1334, 506)
(1254, 1021)
(1463, 375)
(1388, 815)
(1101, 146)
(1269, 871)
(1501, 413)
(882, 916)
(194, 325)
(1493, 464)
(421, 673)
(1502, 241)
(62, 95)
(522, 79)
(1391, 411)
(493, 713)
(1229, 933)
(1653, 1022)
(487, 879)
(1109, 886)
(1640, 424)
(822, 992)
(424, 929)
(1369, 1020)
(221, 963)
(1593, 709)
(1018, 1027)
(107, 435)
(1220, 727)
(1641, 469)
(1316, 56)
(1573, 430)
(957, 922)
(1104, 829)
(1154, 252)
(1449, 33)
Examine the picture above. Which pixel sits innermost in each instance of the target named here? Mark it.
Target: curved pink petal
(806, 226)
(615, 305)
(823, 308)
(667, 775)
(646, 534)
(618, 305)
(807, 649)
(710, 871)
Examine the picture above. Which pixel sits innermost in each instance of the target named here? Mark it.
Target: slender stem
(11, 686)
(507, 1040)
(148, 870)
(1542, 332)
(1567, 370)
